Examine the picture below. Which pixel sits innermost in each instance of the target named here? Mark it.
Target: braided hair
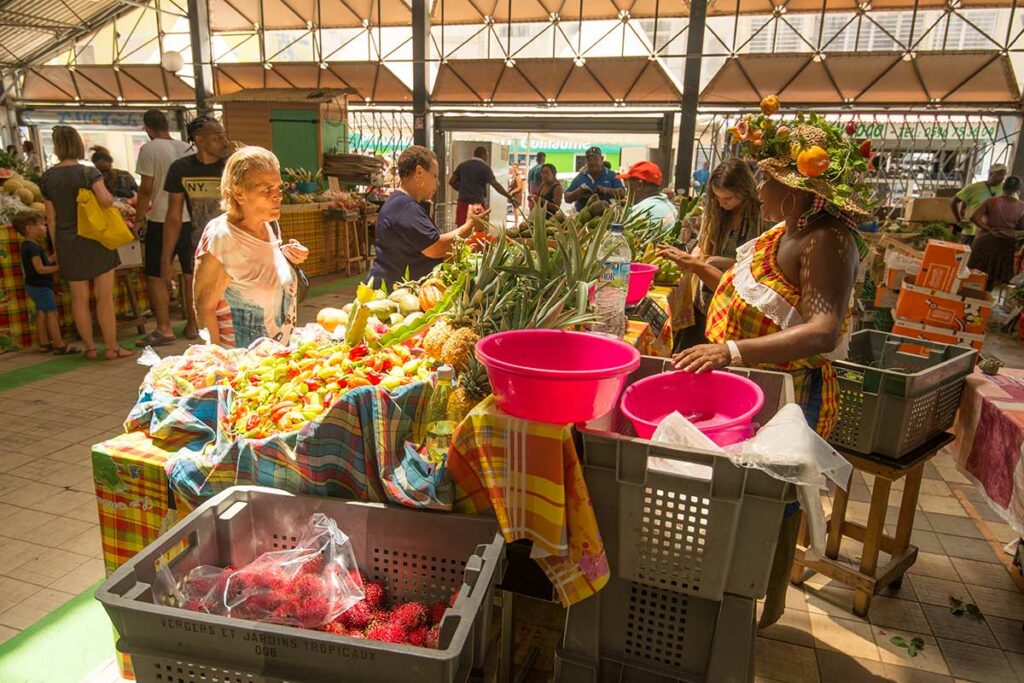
(196, 125)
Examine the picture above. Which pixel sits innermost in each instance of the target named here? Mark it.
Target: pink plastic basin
(556, 376)
(641, 275)
(720, 404)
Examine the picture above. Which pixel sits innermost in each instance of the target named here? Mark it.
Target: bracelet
(734, 353)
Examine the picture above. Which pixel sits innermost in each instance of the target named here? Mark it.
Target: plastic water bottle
(439, 428)
(610, 297)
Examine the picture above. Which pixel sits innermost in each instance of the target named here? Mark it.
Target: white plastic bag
(676, 430)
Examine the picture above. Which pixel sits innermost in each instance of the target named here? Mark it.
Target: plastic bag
(307, 586)
(676, 430)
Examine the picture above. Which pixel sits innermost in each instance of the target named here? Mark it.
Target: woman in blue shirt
(407, 240)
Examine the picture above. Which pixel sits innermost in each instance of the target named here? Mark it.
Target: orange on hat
(647, 171)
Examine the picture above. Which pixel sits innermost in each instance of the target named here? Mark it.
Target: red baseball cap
(647, 171)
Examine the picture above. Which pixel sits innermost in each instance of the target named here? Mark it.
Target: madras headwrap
(358, 448)
(528, 473)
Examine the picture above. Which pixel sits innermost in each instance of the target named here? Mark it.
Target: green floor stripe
(62, 647)
(59, 365)
(334, 286)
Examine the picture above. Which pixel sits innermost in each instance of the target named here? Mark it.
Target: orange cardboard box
(907, 328)
(952, 312)
(976, 281)
(885, 297)
(944, 266)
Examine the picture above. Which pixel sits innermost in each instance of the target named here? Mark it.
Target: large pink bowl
(556, 376)
(720, 404)
(641, 275)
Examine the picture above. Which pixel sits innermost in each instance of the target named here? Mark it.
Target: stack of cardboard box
(937, 297)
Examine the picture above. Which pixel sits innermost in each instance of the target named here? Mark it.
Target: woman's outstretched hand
(295, 252)
(685, 260)
(702, 358)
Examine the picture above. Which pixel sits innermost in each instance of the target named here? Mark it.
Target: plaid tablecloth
(990, 436)
(17, 313)
(529, 475)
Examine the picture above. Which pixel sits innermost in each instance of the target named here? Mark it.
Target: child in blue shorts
(38, 270)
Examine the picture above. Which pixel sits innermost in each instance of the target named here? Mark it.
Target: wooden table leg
(797, 571)
(835, 525)
(873, 531)
(908, 508)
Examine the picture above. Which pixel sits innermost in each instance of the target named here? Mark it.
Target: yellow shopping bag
(106, 226)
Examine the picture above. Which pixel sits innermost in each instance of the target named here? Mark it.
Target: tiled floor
(50, 551)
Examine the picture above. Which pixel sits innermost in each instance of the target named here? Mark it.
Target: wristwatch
(735, 358)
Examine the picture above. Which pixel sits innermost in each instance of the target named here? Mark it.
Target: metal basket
(707, 531)
(895, 392)
(417, 555)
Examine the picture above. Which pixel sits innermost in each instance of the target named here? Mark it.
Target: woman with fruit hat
(785, 303)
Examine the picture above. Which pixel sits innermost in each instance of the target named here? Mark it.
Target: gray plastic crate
(892, 399)
(632, 632)
(705, 533)
(418, 555)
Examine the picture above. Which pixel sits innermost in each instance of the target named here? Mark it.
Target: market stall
(990, 436)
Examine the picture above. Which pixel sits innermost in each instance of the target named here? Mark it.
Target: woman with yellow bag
(83, 261)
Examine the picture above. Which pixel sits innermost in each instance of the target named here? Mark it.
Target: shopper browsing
(245, 284)
(193, 182)
(472, 179)
(643, 179)
(534, 178)
(155, 160)
(967, 200)
(550, 191)
(999, 221)
(121, 184)
(85, 263)
(407, 240)
(38, 269)
(594, 179)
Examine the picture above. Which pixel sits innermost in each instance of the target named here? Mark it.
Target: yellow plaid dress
(756, 278)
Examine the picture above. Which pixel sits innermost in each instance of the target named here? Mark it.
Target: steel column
(420, 51)
(664, 160)
(1018, 150)
(691, 91)
(202, 61)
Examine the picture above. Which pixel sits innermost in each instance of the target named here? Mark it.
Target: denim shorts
(43, 297)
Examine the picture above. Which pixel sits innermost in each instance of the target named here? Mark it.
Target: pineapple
(811, 135)
(458, 348)
(433, 342)
(471, 388)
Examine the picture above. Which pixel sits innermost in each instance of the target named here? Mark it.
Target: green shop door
(294, 132)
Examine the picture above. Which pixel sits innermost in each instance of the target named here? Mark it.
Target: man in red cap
(643, 180)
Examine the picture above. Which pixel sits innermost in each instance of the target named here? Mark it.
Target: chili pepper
(358, 351)
(355, 382)
(312, 384)
(373, 377)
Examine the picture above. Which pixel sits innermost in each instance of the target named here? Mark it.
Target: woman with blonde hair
(245, 285)
(732, 217)
(83, 262)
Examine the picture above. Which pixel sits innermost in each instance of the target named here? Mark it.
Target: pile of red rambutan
(407, 623)
(315, 597)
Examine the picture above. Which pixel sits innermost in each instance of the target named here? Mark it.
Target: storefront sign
(76, 117)
(880, 130)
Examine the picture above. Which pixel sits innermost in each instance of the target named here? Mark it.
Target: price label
(650, 312)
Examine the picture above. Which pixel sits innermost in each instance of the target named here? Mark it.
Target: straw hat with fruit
(809, 153)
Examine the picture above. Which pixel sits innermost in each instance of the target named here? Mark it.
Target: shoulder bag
(104, 225)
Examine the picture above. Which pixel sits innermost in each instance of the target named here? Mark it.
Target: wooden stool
(133, 301)
(869, 579)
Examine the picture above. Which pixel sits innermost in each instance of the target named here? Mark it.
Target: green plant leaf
(898, 641)
(918, 643)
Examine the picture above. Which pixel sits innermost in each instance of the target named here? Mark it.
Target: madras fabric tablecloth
(990, 436)
(17, 313)
(135, 502)
(363, 447)
(529, 475)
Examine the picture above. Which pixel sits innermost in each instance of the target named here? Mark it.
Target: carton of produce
(968, 312)
(915, 330)
(944, 266)
(927, 210)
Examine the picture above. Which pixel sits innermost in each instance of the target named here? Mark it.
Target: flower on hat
(808, 152)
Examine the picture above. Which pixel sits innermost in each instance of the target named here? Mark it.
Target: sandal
(154, 338)
(191, 333)
(45, 348)
(65, 350)
(118, 354)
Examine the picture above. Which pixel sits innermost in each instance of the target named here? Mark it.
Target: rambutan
(374, 594)
(313, 565)
(437, 611)
(308, 585)
(388, 633)
(433, 636)
(195, 605)
(357, 616)
(268, 576)
(334, 627)
(286, 612)
(268, 600)
(419, 636)
(409, 616)
(313, 610)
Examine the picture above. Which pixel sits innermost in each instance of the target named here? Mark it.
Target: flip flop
(147, 340)
(65, 351)
(157, 339)
(45, 348)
